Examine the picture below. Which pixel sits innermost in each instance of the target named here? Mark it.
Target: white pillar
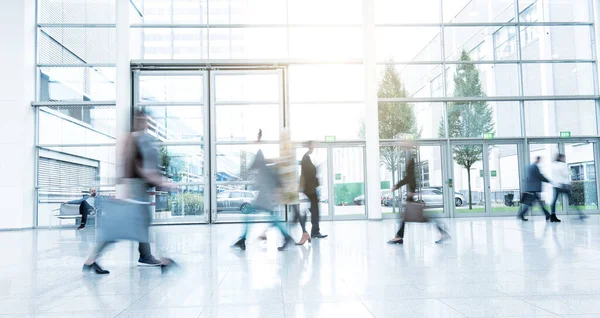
(373, 194)
(17, 124)
(596, 8)
(123, 83)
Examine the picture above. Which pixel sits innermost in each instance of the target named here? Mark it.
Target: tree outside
(468, 119)
(396, 119)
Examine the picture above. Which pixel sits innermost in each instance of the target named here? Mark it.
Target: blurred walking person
(562, 186)
(532, 190)
(141, 172)
(310, 183)
(268, 184)
(410, 182)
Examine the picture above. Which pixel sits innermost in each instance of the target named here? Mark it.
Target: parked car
(235, 200)
(359, 200)
(434, 197)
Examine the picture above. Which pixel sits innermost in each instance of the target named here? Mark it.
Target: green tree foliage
(468, 119)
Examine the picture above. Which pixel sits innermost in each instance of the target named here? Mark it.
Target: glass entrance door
(487, 178)
(242, 103)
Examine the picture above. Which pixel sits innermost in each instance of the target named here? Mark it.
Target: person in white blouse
(562, 184)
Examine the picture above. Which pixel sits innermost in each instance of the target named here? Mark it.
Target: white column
(17, 124)
(373, 194)
(596, 8)
(123, 82)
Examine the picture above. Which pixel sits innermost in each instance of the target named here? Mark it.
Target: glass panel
(316, 42)
(245, 43)
(408, 44)
(409, 81)
(556, 42)
(470, 120)
(168, 43)
(247, 12)
(549, 118)
(470, 80)
(320, 83)
(235, 203)
(393, 11)
(183, 163)
(392, 168)
(186, 204)
(478, 11)
(548, 153)
(547, 79)
(480, 43)
(174, 11)
(177, 123)
(468, 177)
(319, 159)
(506, 118)
(555, 11)
(247, 88)
(582, 168)
(400, 120)
(349, 181)
(504, 178)
(242, 122)
(66, 173)
(171, 88)
(76, 125)
(428, 169)
(324, 11)
(314, 121)
(234, 161)
(77, 83)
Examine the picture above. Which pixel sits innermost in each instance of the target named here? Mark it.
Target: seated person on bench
(86, 205)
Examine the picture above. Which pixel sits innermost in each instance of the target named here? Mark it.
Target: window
(577, 172)
(223, 195)
(590, 172)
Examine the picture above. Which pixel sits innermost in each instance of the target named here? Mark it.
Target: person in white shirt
(562, 184)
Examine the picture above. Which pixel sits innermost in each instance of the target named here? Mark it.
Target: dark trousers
(143, 248)
(529, 199)
(299, 217)
(557, 193)
(314, 212)
(85, 209)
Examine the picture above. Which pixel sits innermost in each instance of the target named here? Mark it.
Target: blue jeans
(272, 220)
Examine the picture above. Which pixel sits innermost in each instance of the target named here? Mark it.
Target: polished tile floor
(493, 267)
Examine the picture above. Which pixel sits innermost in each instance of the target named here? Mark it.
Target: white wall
(17, 90)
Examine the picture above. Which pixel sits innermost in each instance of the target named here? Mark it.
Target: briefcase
(413, 212)
(124, 219)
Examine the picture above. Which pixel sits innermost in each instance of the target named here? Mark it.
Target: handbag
(413, 212)
(124, 220)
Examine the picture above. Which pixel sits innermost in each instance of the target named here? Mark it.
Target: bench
(70, 212)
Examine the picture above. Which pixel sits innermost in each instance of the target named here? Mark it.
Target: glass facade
(451, 74)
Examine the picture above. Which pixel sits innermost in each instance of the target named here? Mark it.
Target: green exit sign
(329, 138)
(338, 176)
(565, 134)
(494, 173)
(488, 136)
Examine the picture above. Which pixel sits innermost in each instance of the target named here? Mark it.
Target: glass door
(348, 181)
(242, 103)
(581, 162)
(177, 106)
(504, 178)
(470, 166)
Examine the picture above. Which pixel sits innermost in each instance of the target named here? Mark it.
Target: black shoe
(287, 241)
(241, 243)
(582, 217)
(553, 218)
(96, 268)
(396, 241)
(318, 235)
(522, 218)
(149, 261)
(81, 227)
(445, 237)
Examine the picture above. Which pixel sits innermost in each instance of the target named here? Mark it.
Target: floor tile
(493, 307)
(327, 309)
(411, 308)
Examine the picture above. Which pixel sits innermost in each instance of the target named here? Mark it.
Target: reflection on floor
(493, 267)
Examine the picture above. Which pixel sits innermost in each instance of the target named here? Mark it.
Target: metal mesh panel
(62, 176)
(76, 11)
(77, 45)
